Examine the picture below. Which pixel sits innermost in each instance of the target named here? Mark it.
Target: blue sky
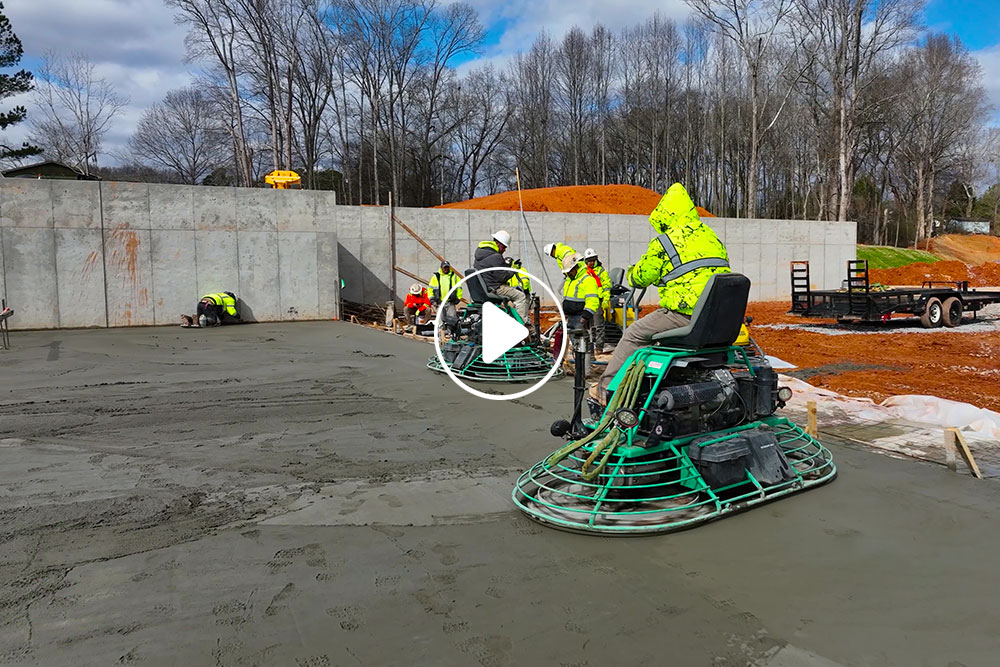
(141, 51)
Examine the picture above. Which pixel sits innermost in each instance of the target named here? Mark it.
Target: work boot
(597, 395)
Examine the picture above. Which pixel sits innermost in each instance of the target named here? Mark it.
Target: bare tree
(75, 108)
(214, 35)
(754, 27)
(180, 135)
(848, 39)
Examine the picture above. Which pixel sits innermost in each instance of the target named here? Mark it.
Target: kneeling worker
(489, 255)
(679, 262)
(417, 303)
(214, 310)
(442, 282)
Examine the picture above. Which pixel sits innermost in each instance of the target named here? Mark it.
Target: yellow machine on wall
(283, 180)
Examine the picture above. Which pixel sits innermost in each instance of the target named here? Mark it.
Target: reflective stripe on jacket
(520, 281)
(683, 257)
(441, 284)
(227, 302)
(603, 281)
(418, 302)
(581, 293)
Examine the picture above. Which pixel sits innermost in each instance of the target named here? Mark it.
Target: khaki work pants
(517, 298)
(639, 335)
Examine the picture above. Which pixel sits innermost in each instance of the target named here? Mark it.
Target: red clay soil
(958, 366)
(968, 248)
(624, 199)
(981, 275)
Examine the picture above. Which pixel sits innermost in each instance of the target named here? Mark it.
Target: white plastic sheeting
(929, 410)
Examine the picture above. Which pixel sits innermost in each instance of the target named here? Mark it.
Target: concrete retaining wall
(86, 254)
(761, 249)
(78, 254)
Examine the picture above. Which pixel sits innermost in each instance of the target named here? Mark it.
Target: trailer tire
(952, 310)
(933, 315)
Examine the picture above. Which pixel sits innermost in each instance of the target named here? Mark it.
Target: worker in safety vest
(581, 295)
(679, 261)
(442, 283)
(417, 304)
(214, 310)
(489, 255)
(519, 280)
(600, 274)
(560, 251)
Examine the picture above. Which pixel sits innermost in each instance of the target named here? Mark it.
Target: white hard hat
(571, 261)
(549, 247)
(415, 289)
(502, 237)
(589, 252)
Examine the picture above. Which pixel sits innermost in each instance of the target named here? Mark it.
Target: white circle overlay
(500, 397)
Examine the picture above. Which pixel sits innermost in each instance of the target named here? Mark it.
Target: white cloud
(989, 60)
(525, 18)
(135, 44)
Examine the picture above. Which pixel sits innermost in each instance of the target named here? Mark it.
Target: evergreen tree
(13, 84)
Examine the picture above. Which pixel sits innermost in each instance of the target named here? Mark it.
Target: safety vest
(441, 284)
(683, 257)
(520, 281)
(561, 252)
(603, 281)
(581, 293)
(227, 302)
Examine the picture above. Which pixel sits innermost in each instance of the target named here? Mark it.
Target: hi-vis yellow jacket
(561, 252)
(682, 258)
(581, 293)
(227, 302)
(441, 284)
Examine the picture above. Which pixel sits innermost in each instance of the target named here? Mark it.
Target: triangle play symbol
(500, 332)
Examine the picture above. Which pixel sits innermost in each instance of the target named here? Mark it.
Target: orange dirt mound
(621, 199)
(982, 275)
(968, 248)
(918, 272)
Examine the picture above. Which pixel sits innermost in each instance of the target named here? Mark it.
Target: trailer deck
(936, 303)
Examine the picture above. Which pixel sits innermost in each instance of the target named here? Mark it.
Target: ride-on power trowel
(464, 351)
(689, 434)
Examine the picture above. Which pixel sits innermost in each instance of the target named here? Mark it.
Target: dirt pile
(918, 272)
(968, 248)
(958, 366)
(981, 275)
(619, 199)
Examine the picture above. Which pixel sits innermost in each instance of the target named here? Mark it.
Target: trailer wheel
(933, 315)
(952, 309)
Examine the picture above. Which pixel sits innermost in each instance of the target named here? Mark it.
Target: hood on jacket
(674, 208)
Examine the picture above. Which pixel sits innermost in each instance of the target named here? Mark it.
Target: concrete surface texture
(87, 254)
(309, 494)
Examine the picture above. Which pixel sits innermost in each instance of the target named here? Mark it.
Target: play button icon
(500, 332)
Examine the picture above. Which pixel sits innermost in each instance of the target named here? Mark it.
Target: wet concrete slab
(310, 494)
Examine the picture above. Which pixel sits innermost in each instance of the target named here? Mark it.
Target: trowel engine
(707, 400)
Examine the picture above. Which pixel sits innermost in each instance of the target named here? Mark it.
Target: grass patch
(886, 257)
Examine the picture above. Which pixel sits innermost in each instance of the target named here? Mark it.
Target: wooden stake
(953, 437)
(811, 427)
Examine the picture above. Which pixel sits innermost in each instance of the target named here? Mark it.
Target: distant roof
(49, 169)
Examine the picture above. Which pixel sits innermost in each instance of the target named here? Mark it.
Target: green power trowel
(689, 434)
(464, 352)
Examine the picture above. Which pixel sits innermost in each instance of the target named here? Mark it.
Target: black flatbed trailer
(935, 303)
